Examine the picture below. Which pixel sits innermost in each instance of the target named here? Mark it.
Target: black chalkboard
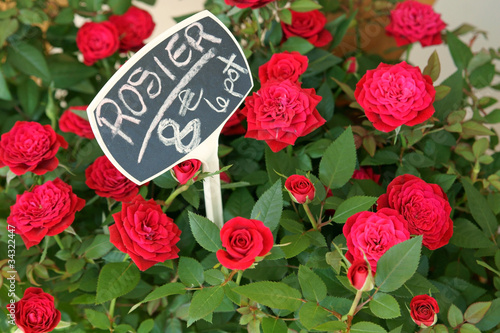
(170, 97)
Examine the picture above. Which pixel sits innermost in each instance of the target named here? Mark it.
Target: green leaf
(297, 44)
(298, 243)
(469, 328)
(205, 301)
(476, 311)
(214, 277)
(345, 88)
(482, 76)
(338, 163)
(175, 288)
(99, 247)
(32, 16)
(97, 319)
(331, 326)
(472, 128)
(312, 315)
(206, 233)
(240, 203)
(28, 59)
(192, 196)
(276, 295)
(313, 288)
(269, 206)
(67, 71)
(115, 280)
(292, 226)
(455, 316)
(452, 101)
(442, 92)
(304, 5)
(146, 326)
(327, 103)
(493, 117)
(28, 94)
(467, 235)
(433, 67)
(190, 272)
(352, 206)
(4, 89)
(398, 264)
(460, 52)
(285, 16)
(74, 265)
(480, 209)
(271, 325)
(7, 28)
(339, 27)
(384, 306)
(366, 327)
(119, 7)
(443, 180)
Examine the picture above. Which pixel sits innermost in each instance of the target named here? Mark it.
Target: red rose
(248, 3)
(412, 21)
(224, 177)
(30, 146)
(308, 25)
(351, 65)
(423, 310)
(280, 112)
(47, 210)
(233, 125)
(244, 240)
(186, 170)
(395, 95)
(283, 66)
(366, 173)
(372, 234)
(71, 122)
(360, 275)
(108, 182)
(35, 312)
(145, 233)
(425, 206)
(97, 41)
(133, 28)
(300, 188)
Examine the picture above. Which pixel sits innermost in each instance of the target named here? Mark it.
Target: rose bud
(35, 312)
(300, 188)
(351, 65)
(361, 276)
(424, 310)
(186, 170)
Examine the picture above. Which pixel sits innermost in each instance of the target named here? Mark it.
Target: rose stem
(58, 241)
(175, 193)
(112, 309)
(238, 277)
(359, 293)
(310, 216)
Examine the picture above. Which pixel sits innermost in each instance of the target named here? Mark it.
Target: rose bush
(353, 184)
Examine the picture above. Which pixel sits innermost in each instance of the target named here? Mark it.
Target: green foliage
(273, 294)
(116, 279)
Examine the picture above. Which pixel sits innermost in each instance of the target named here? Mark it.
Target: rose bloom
(233, 125)
(308, 25)
(71, 122)
(423, 310)
(366, 173)
(412, 21)
(186, 170)
(360, 275)
(280, 112)
(425, 206)
(35, 312)
(145, 233)
(283, 66)
(300, 188)
(395, 95)
(373, 234)
(133, 28)
(97, 41)
(108, 182)
(30, 146)
(47, 210)
(244, 240)
(248, 3)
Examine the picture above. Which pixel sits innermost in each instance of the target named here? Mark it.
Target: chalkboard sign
(169, 101)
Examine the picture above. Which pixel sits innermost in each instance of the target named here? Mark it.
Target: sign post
(169, 102)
